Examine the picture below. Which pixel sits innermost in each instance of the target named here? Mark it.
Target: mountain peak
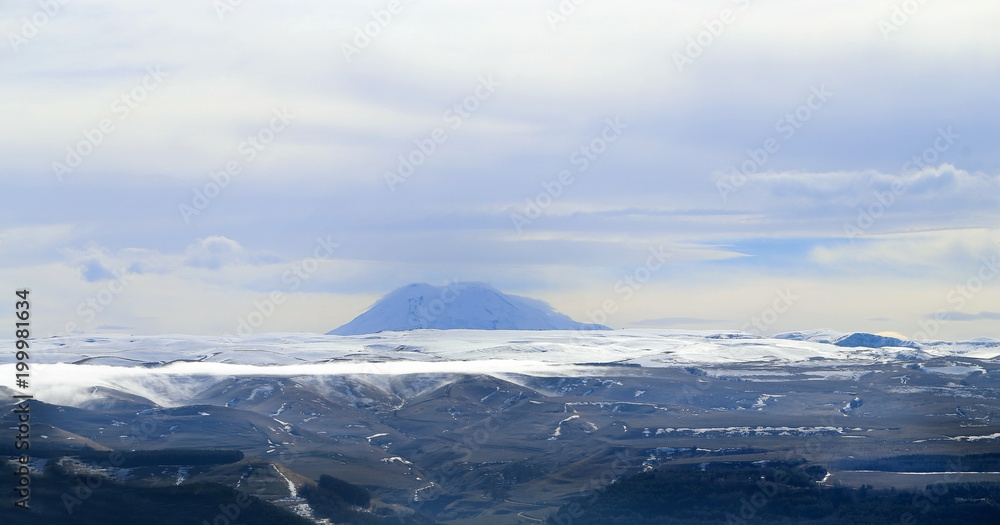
(468, 305)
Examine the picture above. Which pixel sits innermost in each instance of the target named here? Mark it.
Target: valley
(505, 427)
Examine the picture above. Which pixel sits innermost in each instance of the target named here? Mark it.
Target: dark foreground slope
(80, 487)
(737, 493)
(61, 496)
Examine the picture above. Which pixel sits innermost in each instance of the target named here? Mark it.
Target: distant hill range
(470, 305)
(849, 340)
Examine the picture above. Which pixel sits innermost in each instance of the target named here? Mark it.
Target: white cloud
(213, 253)
(97, 263)
(33, 242)
(857, 204)
(945, 251)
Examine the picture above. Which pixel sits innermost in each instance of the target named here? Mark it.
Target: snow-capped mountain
(471, 305)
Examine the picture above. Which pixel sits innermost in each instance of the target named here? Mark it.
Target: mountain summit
(476, 306)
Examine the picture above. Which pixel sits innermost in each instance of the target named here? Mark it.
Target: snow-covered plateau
(62, 366)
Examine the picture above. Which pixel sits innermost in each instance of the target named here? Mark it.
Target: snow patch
(558, 431)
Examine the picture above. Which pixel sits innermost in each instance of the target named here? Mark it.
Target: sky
(229, 166)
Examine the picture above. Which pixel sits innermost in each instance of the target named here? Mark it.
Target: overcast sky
(200, 167)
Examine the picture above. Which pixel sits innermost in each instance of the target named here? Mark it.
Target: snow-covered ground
(70, 363)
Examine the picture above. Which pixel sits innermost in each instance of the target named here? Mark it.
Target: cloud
(213, 253)
(947, 252)
(33, 243)
(854, 204)
(146, 261)
(213, 260)
(961, 316)
(94, 271)
(176, 383)
(98, 263)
